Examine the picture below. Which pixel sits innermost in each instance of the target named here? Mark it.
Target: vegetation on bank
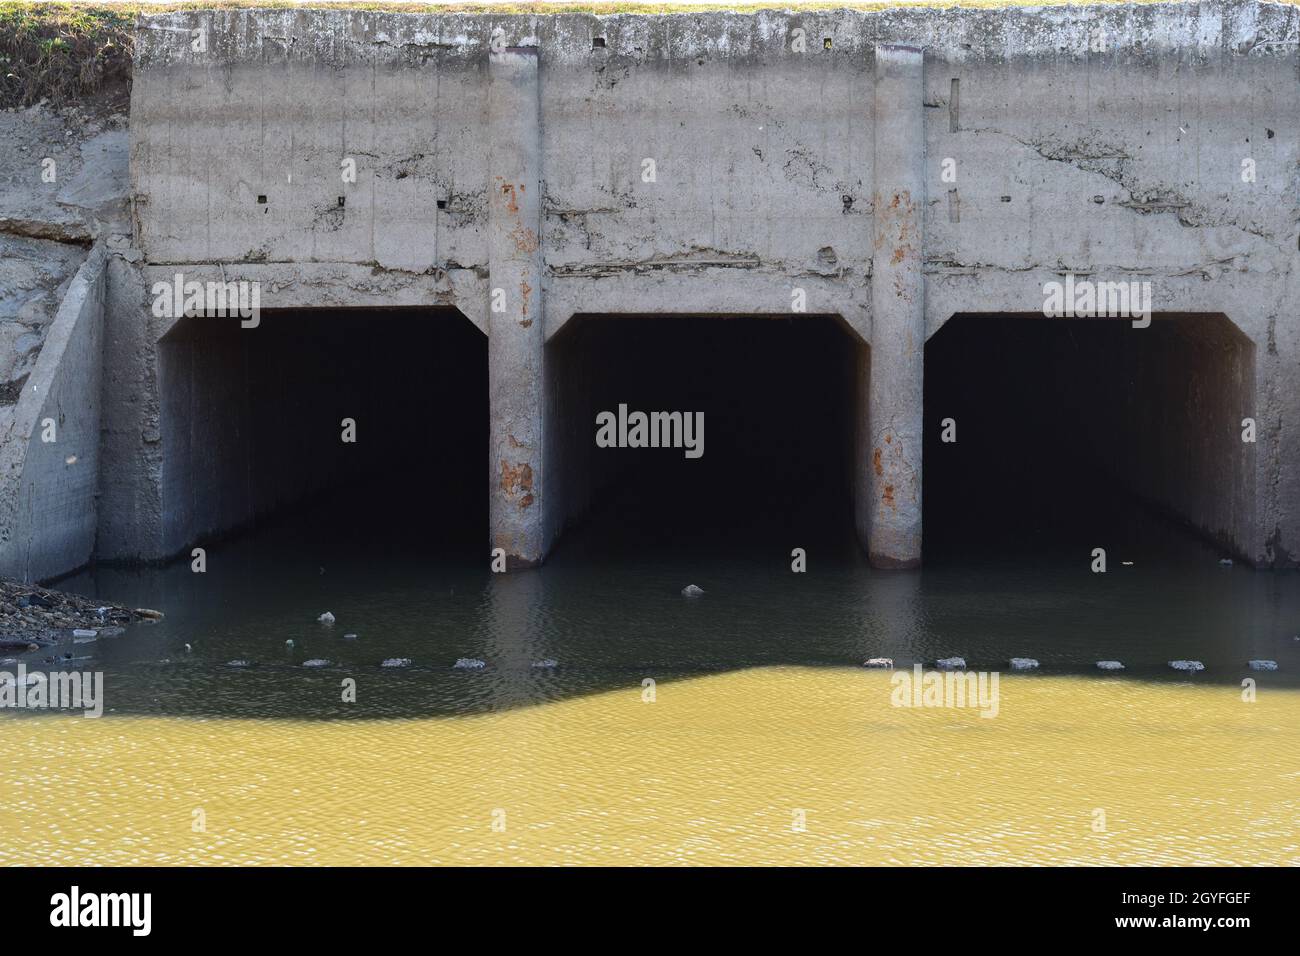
(59, 51)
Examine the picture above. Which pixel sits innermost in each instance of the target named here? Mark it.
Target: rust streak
(516, 478)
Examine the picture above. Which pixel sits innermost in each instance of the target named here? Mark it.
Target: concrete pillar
(889, 514)
(515, 328)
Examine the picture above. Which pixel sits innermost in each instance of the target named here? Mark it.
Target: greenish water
(607, 609)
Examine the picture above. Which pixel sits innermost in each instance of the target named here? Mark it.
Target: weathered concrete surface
(724, 164)
(516, 315)
(49, 451)
(890, 515)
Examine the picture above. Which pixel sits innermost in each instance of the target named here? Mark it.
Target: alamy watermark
(177, 298)
(921, 688)
(53, 690)
(1085, 299)
(651, 430)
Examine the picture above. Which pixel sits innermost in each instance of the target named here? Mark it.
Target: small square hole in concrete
(262, 200)
(598, 43)
(826, 43)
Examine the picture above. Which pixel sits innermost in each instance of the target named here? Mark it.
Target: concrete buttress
(515, 321)
(889, 515)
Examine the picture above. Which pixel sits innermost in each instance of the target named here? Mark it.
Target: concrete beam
(889, 515)
(516, 326)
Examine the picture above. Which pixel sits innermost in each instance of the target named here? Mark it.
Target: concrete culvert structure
(1060, 435)
(900, 167)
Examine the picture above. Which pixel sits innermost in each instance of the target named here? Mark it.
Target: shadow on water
(411, 581)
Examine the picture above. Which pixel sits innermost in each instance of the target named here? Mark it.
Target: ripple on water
(718, 769)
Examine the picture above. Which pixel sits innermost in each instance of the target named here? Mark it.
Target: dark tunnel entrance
(776, 395)
(1073, 434)
(254, 425)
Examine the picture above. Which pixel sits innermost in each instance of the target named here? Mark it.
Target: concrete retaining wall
(49, 455)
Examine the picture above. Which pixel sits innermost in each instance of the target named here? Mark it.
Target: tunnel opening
(776, 400)
(1052, 437)
(364, 430)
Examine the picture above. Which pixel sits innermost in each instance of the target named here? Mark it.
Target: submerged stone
(470, 664)
(1023, 664)
(1187, 666)
(1110, 666)
(951, 664)
(1263, 665)
(692, 591)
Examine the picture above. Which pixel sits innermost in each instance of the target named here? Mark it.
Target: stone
(470, 664)
(951, 664)
(396, 662)
(545, 664)
(885, 662)
(692, 591)
(1023, 664)
(1110, 666)
(316, 662)
(1263, 665)
(326, 618)
(1192, 666)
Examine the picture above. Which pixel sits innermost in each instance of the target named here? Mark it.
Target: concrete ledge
(337, 37)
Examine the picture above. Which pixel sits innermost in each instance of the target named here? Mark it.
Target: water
(761, 708)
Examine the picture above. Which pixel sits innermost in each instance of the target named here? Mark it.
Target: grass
(60, 51)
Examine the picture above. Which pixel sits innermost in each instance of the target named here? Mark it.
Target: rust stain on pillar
(516, 347)
(889, 507)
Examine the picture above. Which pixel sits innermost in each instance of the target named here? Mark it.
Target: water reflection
(608, 624)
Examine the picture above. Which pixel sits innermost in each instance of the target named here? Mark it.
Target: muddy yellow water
(766, 765)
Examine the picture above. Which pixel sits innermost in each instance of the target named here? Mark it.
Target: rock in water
(545, 664)
(238, 663)
(349, 637)
(1023, 664)
(886, 662)
(1109, 666)
(316, 662)
(326, 618)
(470, 664)
(396, 662)
(1263, 665)
(1192, 666)
(149, 614)
(692, 591)
(951, 664)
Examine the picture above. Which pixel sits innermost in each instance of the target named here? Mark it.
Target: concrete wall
(49, 453)
(1103, 141)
